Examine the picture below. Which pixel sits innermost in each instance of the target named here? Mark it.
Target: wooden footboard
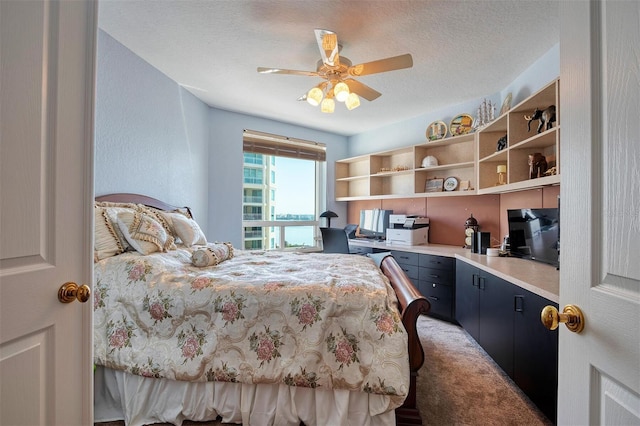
(412, 305)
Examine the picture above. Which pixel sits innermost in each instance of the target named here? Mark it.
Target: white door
(599, 369)
(47, 52)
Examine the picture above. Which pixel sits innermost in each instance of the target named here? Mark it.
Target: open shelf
(522, 141)
(474, 157)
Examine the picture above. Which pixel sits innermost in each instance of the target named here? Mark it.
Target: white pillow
(111, 214)
(187, 230)
(145, 234)
(106, 242)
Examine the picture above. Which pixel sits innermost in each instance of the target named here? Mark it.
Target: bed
(190, 329)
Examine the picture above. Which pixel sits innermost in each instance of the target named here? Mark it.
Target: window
(281, 216)
(253, 175)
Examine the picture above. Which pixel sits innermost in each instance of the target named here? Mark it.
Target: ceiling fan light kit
(353, 101)
(314, 97)
(338, 72)
(328, 105)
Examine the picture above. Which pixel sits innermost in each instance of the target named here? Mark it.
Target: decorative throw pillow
(106, 241)
(158, 215)
(187, 230)
(144, 233)
(111, 212)
(212, 254)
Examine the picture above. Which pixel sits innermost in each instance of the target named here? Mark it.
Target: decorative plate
(450, 184)
(506, 104)
(436, 130)
(461, 125)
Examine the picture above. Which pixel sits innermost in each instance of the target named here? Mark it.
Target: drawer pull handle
(434, 276)
(434, 298)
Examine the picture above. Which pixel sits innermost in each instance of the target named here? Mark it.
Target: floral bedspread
(313, 320)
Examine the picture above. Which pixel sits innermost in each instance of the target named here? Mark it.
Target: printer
(407, 230)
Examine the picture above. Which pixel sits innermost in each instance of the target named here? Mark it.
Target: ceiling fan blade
(263, 70)
(362, 90)
(328, 45)
(382, 65)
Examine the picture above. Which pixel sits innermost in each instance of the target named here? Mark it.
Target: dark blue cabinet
(435, 277)
(505, 320)
(484, 307)
(535, 353)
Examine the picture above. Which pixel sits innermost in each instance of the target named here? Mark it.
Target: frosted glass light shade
(353, 101)
(341, 91)
(314, 96)
(328, 105)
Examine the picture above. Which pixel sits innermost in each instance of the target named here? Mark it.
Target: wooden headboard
(123, 197)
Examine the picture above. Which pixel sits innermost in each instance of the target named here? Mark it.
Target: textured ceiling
(461, 50)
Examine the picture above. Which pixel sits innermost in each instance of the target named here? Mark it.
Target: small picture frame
(434, 185)
(465, 185)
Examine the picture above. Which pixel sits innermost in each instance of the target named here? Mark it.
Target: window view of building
(288, 196)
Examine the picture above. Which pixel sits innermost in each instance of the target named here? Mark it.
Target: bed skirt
(140, 400)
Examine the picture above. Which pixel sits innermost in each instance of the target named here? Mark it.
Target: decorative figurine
(470, 228)
(502, 143)
(537, 165)
(547, 116)
(486, 114)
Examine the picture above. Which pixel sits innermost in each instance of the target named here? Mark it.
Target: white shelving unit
(472, 157)
(521, 142)
(398, 173)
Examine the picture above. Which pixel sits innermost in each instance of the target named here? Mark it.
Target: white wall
(151, 135)
(412, 131)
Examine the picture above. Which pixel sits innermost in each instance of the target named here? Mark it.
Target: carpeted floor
(459, 384)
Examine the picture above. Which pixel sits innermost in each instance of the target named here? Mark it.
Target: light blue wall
(151, 135)
(157, 139)
(412, 131)
(225, 172)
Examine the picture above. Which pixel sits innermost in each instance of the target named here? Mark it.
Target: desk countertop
(539, 278)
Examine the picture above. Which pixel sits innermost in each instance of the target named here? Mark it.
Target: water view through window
(277, 190)
(295, 197)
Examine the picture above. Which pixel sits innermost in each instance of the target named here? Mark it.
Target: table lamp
(328, 214)
(501, 170)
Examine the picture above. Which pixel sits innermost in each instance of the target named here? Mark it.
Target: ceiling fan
(338, 72)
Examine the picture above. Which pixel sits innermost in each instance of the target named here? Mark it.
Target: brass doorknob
(70, 291)
(571, 316)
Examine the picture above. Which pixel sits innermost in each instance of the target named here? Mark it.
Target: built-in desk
(497, 300)
(538, 278)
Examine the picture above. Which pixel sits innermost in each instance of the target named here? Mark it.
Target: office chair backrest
(350, 229)
(334, 240)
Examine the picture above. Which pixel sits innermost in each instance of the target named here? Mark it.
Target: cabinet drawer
(438, 276)
(437, 262)
(410, 270)
(439, 296)
(406, 258)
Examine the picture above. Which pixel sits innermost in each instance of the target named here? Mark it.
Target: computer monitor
(374, 223)
(534, 234)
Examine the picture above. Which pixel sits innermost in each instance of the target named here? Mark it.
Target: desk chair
(334, 240)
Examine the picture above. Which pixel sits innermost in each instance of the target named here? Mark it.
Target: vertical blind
(282, 146)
